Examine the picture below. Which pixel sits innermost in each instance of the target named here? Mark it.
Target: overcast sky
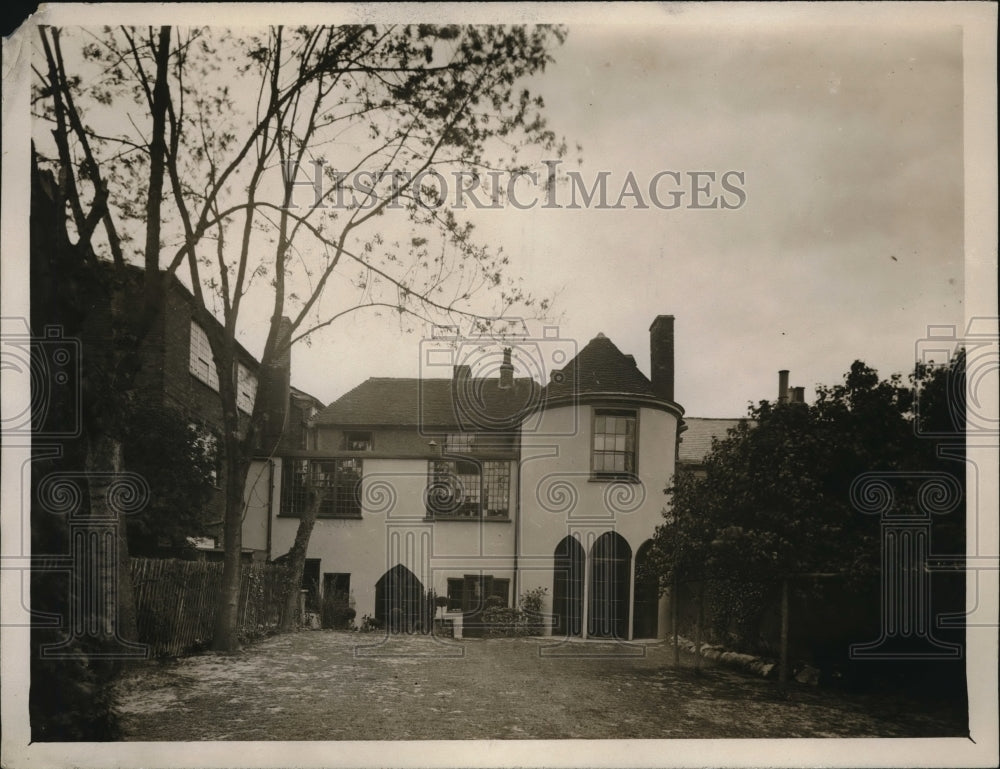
(849, 243)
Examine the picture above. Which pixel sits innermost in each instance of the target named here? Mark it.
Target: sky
(844, 242)
(848, 246)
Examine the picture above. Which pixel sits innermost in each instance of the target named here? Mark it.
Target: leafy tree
(180, 467)
(773, 499)
(369, 115)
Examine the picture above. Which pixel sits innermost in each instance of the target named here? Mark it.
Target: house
(476, 486)
(698, 433)
(177, 372)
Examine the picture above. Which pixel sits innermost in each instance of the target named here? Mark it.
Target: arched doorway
(399, 601)
(611, 568)
(567, 587)
(645, 615)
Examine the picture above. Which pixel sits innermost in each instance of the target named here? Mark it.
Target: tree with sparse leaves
(311, 188)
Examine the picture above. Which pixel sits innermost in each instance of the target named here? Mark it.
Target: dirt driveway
(348, 686)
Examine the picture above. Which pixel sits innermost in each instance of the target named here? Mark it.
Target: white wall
(256, 505)
(393, 529)
(552, 488)
(558, 497)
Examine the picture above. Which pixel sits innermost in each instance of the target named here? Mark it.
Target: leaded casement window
(613, 452)
(466, 489)
(337, 481)
(460, 443)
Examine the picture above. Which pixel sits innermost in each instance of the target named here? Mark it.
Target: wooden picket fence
(176, 602)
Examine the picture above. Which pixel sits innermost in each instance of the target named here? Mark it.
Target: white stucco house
(488, 485)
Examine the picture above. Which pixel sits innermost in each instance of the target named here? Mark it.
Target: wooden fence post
(675, 598)
(698, 625)
(783, 668)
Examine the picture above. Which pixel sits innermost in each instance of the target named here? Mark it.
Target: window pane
(619, 443)
(619, 463)
(496, 484)
(599, 424)
(455, 594)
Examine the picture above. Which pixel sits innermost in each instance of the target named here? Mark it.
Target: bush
(337, 613)
(500, 621)
(369, 624)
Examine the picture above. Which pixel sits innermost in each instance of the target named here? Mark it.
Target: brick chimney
(783, 386)
(798, 394)
(506, 371)
(661, 356)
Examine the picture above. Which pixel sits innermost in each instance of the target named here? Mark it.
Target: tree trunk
(297, 561)
(675, 599)
(226, 637)
(698, 626)
(783, 667)
(115, 618)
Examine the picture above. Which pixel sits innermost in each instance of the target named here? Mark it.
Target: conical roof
(600, 367)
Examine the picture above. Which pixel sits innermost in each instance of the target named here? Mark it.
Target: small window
(460, 443)
(456, 588)
(614, 444)
(358, 441)
(246, 388)
(201, 363)
(469, 593)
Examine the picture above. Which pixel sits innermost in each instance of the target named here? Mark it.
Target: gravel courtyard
(347, 686)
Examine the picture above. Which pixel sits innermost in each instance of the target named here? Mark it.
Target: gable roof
(474, 403)
(696, 439)
(600, 367)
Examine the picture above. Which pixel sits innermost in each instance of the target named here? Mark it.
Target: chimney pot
(506, 371)
(783, 386)
(661, 356)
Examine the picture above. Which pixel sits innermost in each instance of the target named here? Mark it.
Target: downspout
(270, 502)
(517, 523)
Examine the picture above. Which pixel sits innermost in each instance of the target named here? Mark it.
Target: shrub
(500, 621)
(337, 612)
(369, 624)
(531, 600)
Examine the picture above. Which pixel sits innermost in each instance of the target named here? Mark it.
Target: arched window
(567, 587)
(611, 562)
(645, 615)
(400, 604)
